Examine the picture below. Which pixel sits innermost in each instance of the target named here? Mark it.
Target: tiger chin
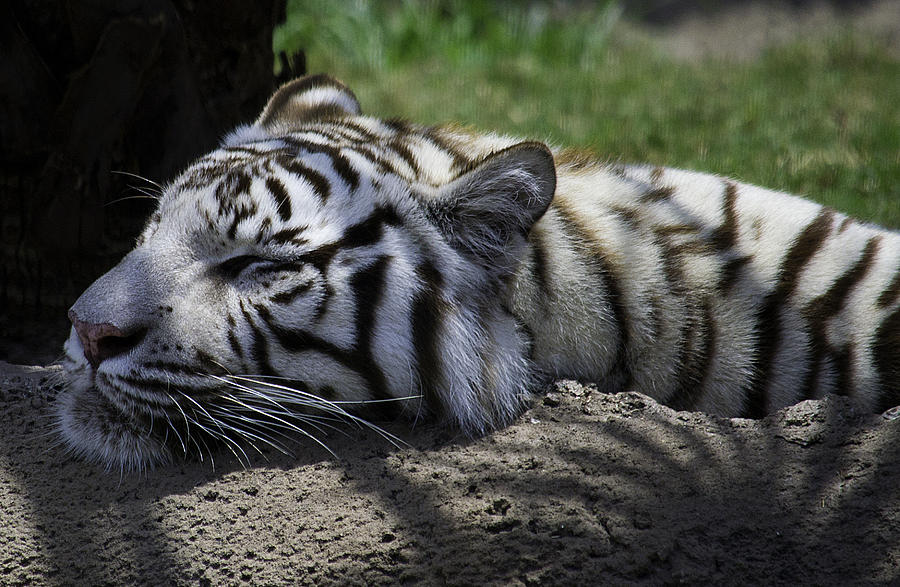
(324, 266)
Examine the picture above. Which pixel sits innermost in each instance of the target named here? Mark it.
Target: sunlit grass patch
(820, 117)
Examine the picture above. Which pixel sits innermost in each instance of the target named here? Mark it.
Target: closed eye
(232, 268)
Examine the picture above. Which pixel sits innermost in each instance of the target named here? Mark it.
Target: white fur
(480, 226)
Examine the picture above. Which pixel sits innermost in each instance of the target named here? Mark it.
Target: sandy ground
(584, 488)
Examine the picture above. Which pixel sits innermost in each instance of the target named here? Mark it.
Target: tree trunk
(95, 96)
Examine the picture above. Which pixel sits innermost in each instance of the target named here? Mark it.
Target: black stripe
(886, 353)
(232, 228)
(698, 348)
(259, 354)
(670, 258)
(296, 341)
(731, 270)
(673, 229)
(631, 217)
(226, 197)
(243, 212)
(361, 132)
(595, 258)
(890, 293)
(846, 222)
(233, 183)
(243, 149)
(398, 125)
(460, 161)
(264, 227)
(768, 324)
(370, 230)
(403, 151)
(289, 235)
(827, 305)
(364, 233)
(427, 320)
(842, 359)
(725, 236)
(320, 184)
(339, 162)
(233, 339)
(368, 287)
(240, 182)
(383, 165)
(202, 175)
(287, 297)
(235, 343)
(657, 194)
(283, 201)
(541, 265)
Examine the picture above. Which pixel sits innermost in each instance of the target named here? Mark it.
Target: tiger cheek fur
(322, 264)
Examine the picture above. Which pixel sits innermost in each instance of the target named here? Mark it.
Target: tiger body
(321, 256)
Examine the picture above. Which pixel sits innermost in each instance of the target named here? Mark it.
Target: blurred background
(802, 96)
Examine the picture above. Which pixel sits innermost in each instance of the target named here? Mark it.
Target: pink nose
(103, 341)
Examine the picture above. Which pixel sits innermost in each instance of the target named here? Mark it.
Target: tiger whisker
(316, 422)
(125, 198)
(222, 435)
(172, 425)
(232, 420)
(256, 434)
(325, 405)
(140, 177)
(338, 415)
(237, 417)
(274, 419)
(281, 421)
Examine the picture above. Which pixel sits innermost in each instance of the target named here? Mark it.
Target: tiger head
(317, 263)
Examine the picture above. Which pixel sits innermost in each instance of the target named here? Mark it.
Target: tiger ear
(312, 97)
(488, 211)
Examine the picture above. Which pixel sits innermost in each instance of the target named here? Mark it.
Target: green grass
(819, 118)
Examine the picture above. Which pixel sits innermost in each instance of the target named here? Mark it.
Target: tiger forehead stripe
(289, 235)
(282, 199)
(339, 162)
(320, 184)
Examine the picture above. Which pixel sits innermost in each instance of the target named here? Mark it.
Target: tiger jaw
(95, 428)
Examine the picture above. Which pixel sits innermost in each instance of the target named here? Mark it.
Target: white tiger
(320, 256)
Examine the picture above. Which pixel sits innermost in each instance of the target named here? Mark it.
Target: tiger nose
(104, 341)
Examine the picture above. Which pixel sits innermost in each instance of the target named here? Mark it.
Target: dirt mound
(585, 487)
